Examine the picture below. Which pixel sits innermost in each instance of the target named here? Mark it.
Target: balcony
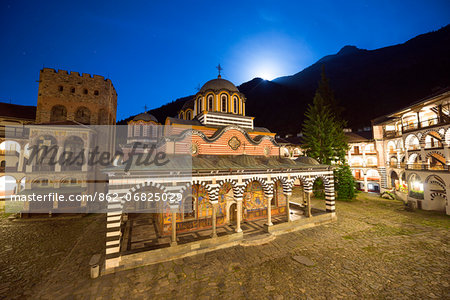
(422, 124)
(389, 134)
(413, 147)
(419, 166)
(434, 145)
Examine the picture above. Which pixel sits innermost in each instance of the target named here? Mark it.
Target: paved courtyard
(376, 249)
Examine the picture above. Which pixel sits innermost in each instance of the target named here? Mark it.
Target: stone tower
(85, 99)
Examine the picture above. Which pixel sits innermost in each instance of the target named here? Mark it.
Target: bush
(388, 195)
(345, 183)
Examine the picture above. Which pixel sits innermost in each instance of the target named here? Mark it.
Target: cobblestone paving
(32, 249)
(376, 249)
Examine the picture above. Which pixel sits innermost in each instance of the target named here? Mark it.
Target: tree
(324, 137)
(345, 183)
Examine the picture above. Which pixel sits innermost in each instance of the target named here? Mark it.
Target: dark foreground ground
(376, 249)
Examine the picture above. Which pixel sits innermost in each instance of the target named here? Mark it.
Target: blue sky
(157, 51)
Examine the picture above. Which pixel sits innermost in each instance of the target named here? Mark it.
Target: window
(188, 115)
(61, 88)
(72, 90)
(199, 105)
(83, 115)
(356, 150)
(235, 104)
(96, 93)
(137, 130)
(224, 103)
(181, 115)
(210, 103)
(58, 113)
(85, 91)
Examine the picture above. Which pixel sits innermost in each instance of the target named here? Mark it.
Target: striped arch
(435, 153)
(147, 184)
(328, 182)
(447, 136)
(434, 179)
(285, 183)
(234, 186)
(409, 138)
(211, 190)
(413, 157)
(307, 184)
(391, 144)
(267, 188)
(433, 133)
(435, 194)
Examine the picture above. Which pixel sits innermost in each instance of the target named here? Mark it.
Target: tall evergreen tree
(323, 129)
(324, 138)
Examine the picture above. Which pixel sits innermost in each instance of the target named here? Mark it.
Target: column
(365, 183)
(58, 155)
(214, 218)
(173, 241)
(21, 159)
(84, 167)
(269, 211)
(288, 211)
(238, 215)
(18, 189)
(308, 204)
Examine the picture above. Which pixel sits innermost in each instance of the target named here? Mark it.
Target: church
(231, 177)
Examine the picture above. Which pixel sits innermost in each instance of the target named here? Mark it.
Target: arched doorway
(395, 182)
(318, 196)
(233, 214)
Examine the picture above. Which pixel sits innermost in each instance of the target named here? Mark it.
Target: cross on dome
(219, 68)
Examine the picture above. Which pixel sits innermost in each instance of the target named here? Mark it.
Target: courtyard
(376, 249)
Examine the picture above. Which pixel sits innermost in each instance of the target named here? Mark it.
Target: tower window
(85, 91)
(96, 93)
(188, 115)
(199, 105)
(60, 88)
(210, 103)
(224, 103)
(235, 104)
(72, 90)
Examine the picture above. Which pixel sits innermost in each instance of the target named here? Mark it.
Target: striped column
(113, 232)
(329, 195)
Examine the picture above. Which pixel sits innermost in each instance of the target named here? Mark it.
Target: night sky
(157, 51)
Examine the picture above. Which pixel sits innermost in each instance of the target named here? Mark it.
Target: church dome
(219, 84)
(145, 117)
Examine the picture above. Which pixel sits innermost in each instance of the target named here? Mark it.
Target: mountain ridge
(366, 83)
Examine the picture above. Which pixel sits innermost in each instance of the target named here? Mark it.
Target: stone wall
(73, 91)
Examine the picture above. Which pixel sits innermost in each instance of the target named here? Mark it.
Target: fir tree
(324, 138)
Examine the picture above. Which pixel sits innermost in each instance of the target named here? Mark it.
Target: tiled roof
(17, 111)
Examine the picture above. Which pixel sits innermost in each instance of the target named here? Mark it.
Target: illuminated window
(210, 103)
(199, 105)
(224, 103)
